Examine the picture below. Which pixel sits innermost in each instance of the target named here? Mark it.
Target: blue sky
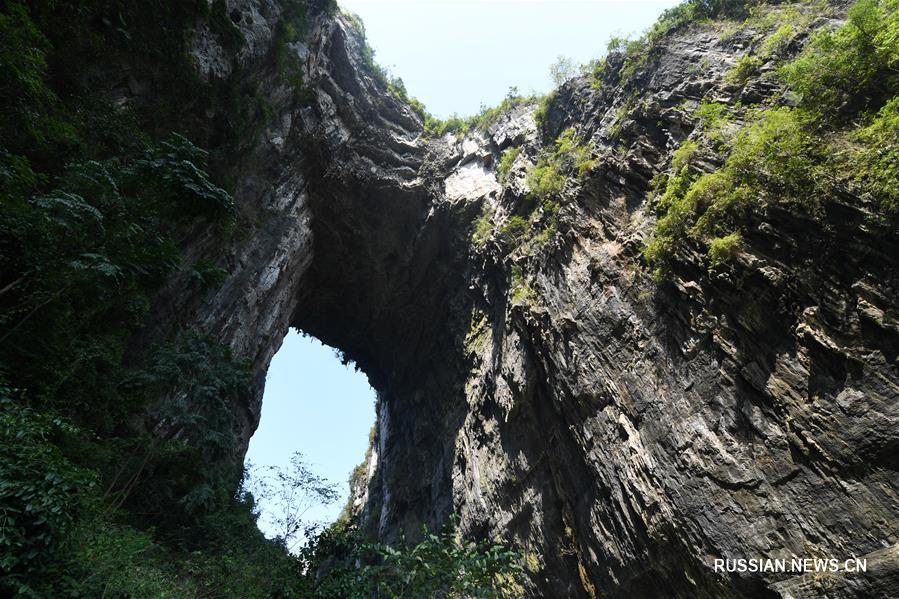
(453, 56)
(317, 406)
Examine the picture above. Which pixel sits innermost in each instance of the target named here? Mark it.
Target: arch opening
(317, 409)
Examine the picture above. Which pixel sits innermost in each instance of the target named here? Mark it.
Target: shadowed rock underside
(621, 433)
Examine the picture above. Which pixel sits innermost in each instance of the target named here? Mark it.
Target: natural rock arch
(619, 434)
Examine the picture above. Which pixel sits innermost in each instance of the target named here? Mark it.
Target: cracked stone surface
(621, 433)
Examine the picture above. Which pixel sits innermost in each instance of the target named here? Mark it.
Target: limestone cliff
(621, 432)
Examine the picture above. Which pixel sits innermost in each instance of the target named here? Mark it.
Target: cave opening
(320, 407)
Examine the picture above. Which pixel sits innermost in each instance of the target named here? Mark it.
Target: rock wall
(621, 433)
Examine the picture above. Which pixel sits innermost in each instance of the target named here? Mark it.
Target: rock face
(623, 434)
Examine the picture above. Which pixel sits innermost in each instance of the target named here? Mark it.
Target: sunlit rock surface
(621, 434)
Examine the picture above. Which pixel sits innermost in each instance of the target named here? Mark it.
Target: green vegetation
(570, 158)
(521, 292)
(773, 28)
(722, 249)
(714, 117)
(506, 162)
(637, 53)
(515, 231)
(483, 120)
(561, 70)
(841, 139)
(852, 69)
(119, 471)
(778, 40)
(434, 127)
(541, 113)
(483, 227)
(745, 68)
(440, 565)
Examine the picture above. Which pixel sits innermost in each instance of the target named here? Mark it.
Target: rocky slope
(622, 433)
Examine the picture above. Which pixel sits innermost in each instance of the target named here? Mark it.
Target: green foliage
(505, 163)
(172, 176)
(121, 561)
(804, 155)
(521, 291)
(875, 160)
(561, 70)
(546, 179)
(639, 52)
(483, 227)
(773, 159)
(713, 115)
(207, 275)
(778, 40)
(440, 565)
(569, 158)
(80, 262)
(541, 113)
(286, 494)
(30, 117)
(90, 208)
(39, 492)
(483, 120)
(515, 230)
(853, 68)
(745, 67)
(722, 249)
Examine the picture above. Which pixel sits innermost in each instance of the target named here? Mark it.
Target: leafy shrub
(774, 158)
(483, 227)
(506, 162)
(440, 565)
(121, 561)
(515, 230)
(548, 177)
(713, 116)
(30, 118)
(39, 493)
(722, 249)
(778, 40)
(561, 70)
(483, 120)
(639, 52)
(521, 292)
(875, 161)
(84, 257)
(745, 68)
(803, 155)
(286, 494)
(846, 70)
(89, 210)
(541, 113)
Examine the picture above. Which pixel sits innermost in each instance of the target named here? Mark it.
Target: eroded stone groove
(620, 433)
